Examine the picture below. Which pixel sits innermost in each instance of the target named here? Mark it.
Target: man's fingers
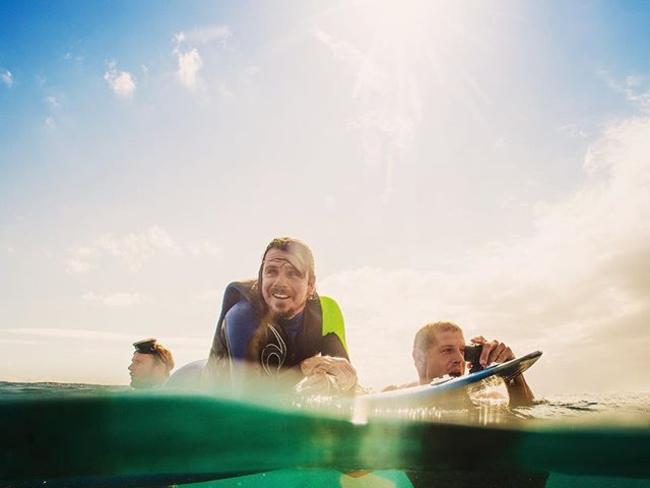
(344, 366)
(334, 365)
(485, 353)
(493, 351)
(500, 353)
(344, 373)
(309, 365)
(505, 355)
(496, 351)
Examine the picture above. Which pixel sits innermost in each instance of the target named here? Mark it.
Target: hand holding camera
(481, 353)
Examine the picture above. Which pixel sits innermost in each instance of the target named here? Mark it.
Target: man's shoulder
(243, 286)
(240, 309)
(237, 291)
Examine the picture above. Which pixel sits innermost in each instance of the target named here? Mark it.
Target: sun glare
(411, 21)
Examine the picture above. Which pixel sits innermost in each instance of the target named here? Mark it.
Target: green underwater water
(404, 479)
(120, 438)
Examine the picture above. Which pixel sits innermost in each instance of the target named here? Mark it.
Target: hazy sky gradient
(487, 163)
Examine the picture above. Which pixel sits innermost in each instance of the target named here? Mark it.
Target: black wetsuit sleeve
(331, 346)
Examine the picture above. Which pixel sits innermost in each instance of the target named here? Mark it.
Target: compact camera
(472, 355)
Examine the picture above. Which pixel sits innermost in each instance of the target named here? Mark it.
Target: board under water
(126, 439)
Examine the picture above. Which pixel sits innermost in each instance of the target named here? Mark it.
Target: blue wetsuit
(240, 324)
(279, 345)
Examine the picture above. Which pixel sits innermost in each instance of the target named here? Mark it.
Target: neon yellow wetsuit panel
(333, 320)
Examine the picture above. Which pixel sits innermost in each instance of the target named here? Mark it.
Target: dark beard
(288, 315)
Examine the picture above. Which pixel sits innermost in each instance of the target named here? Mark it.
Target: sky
(486, 163)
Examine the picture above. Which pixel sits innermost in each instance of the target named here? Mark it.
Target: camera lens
(472, 355)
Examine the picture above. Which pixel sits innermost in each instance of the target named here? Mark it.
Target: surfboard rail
(423, 394)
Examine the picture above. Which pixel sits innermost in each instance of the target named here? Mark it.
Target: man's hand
(340, 368)
(497, 352)
(493, 351)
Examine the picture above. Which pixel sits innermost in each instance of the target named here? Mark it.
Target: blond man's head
(438, 350)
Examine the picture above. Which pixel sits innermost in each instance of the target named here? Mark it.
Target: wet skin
(285, 284)
(443, 357)
(146, 371)
(446, 356)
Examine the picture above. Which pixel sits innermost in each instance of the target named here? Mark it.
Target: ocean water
(611, 409)
(15, 389)
(86, 435)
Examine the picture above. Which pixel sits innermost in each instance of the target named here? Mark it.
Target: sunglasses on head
(146, 346)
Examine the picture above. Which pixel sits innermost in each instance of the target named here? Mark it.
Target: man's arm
(239, 326)
(497, 352)
(520, 393)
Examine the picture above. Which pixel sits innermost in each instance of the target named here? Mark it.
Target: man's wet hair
(426, 336)
(292, 246)
(157, 350)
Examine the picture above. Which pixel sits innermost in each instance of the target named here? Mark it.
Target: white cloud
(252, 71)
(574, 131)
(19, 342)
(54, 105)
(225, 92)
(53, 102)
(62, 333)
(189, 64)
(577, 288)
(121, 82)
(144, 244)
(330, 201)
(188, 56)
(206, 35)
(212, 295)
(642, 99)
(499, 144)
(7, 78)
(203, 248)
(342, 50)
(39, 335)
(68, 56)
(635, 88)
(634, 80)
(135, 249)
(77, 266)
(114, 300)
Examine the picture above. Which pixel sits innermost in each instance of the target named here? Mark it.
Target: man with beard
(278, 324)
